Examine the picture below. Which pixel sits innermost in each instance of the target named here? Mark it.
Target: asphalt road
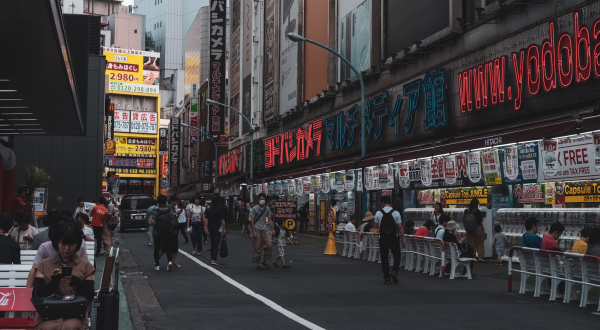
(328, 291)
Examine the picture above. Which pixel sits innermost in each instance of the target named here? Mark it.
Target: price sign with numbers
(122, 121)
(144, 122)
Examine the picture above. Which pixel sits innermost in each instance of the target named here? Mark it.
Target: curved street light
(251, 143)
(297, 38)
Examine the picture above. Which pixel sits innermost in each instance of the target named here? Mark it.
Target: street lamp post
(251, 144)
(213, 141)
(363, 131)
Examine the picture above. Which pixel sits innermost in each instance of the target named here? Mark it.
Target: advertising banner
(174, 150)
(474, 167)
(526, 156)
(163, 142)
(450, 169)
(549, 157)
(270, 188)
(372, 178)
(426, 196)
(355, 39)
(359, 180)
(132, 70)
(597, 151)
(299, 190)
(288, 57)
(121, 121)
(288, 213)
(403, 178)
(110, 121)
(131, 165)
(463, 196)
(491, 167)
(316, 184)
(350, 181)
(511, 162)
(578, 192)
(306, 185)
(550, 192)
(137, 147)
(325, 183)
(426, 172)
(340, 181)
(277, 188)
(386, 176)
(269, 64)
(530, 193)
(234, 68)
(217, 66)
(39, 201)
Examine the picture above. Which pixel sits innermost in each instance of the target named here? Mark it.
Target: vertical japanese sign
(269, 65)
(217, 67)
(288, 59)
(110, 121)
(163, 142)
(121, 121)
(174, 150)
(549, 158)
(234, 68)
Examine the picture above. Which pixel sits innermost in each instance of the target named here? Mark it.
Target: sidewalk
(124, 316)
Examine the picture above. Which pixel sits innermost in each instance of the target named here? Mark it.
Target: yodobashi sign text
(217, 66)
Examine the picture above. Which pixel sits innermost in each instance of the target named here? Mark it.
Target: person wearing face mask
(262, 229)
(214, 226)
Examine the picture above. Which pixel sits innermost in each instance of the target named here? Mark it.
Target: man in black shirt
(214, 225)
(10, 252)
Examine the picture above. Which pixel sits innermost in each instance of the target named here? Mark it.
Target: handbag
(53, 308)
(223, 250)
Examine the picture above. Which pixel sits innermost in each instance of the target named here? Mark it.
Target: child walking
(499, 242)
(281, 238)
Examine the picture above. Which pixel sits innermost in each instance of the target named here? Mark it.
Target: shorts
(281, 251)
(499, 251)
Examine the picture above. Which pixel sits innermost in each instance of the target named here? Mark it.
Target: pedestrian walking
(150, 224)
(249, 220)
(262, 228)
(476, 238)
(182, 220)
(162, 219)
(214, 226)
(281, 243)
(111, 207)
(389, 223)
(99, 214)
(179, 210)
(196, 218)
(242, 216)
(80, 208)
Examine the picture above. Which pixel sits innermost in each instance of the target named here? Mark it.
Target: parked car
(133, 211)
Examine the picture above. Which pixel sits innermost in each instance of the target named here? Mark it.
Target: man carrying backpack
(473, 223)
(389, 223)
(162, 219)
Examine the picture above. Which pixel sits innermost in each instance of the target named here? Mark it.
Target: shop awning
(334, 166)
(549, 129)
(37, 83)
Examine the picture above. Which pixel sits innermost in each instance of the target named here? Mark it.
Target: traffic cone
(330, 249)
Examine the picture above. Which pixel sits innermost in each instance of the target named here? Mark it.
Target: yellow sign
(482, 201)
(110, 147)
(289, 224)
(138, 147)
(132, 70)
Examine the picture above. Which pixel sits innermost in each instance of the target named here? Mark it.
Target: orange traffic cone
(331, 249)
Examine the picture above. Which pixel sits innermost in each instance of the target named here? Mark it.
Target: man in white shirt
(439, 231)
(351, 225)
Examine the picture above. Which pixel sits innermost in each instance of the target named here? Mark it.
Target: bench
(17, 300)
(424, 254)
(556, 267)
(456, 261)
(351, 243)
(14, 276)
(27, 256)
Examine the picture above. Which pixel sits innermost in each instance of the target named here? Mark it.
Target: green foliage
(35, 177)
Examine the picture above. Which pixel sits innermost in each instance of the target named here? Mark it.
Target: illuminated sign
(217, 66)
(135, 147)
(230, 162)
(558, 62)
(293, 146)
(581, 192)
(463, 196)
(130, 165)
(132, 70)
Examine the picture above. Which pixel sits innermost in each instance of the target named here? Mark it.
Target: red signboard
(230, 162)
(294, 146)
(15, 299)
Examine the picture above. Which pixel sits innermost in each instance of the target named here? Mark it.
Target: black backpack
(469, 222)
(388, 227)
(164, 221)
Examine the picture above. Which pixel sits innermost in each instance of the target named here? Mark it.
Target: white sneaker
(157, 268)
(169, 266)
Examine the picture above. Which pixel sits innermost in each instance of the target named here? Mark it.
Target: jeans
(182, 227)
(196, 236)
(215, 241)
(162, 242)
(385, 245)
(150, 233)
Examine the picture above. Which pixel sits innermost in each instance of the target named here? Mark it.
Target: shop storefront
(512, 124)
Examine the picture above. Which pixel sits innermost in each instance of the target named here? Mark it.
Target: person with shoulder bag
(389, 223)
(473, 223)
(162, 219)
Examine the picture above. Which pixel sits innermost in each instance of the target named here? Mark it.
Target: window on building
(160, 23)
(135, 31)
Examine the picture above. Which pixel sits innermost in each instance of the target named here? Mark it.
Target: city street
(318, 291)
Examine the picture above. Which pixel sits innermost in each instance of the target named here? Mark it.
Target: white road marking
(251, 293)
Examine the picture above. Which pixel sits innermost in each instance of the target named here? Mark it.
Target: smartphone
(67, 271)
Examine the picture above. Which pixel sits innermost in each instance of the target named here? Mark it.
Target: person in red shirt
(424, 231)
(19, 202)
(549, 242)
(99, 214)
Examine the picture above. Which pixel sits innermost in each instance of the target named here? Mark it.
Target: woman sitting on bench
(49, 280)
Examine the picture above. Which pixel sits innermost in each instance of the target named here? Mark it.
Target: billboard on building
(246, 95)
(234, 69)
(174, 150)
(355, 39)
(269, 63)
(288, 60)
(132, 70)
(138, 147)
(217, 67)
(144, 122)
